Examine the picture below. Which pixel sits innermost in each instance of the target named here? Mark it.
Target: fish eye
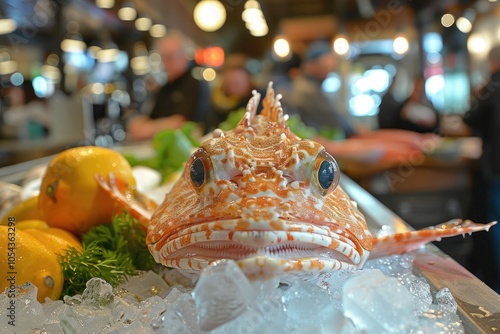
(199, 169)
(327, 173)
(197, 172)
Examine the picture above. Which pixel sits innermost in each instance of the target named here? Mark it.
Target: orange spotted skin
(260, 193)
(254, 194)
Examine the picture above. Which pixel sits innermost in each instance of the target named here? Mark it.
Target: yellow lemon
(70, 197)
(55, 239)
(31, 223)
(23, 210)
(24, 258)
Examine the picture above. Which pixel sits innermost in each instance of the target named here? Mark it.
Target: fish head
(261, 196)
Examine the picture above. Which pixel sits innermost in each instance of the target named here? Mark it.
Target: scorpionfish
(271, 201)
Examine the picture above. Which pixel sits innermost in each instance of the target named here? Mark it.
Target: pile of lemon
(37, 231)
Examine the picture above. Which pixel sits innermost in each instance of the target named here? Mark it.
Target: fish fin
(407, 241)
(137, 204)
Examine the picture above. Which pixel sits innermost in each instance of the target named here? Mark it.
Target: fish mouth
(299, 246)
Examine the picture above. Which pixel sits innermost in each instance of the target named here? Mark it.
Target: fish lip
(188, 245)
(231, 224)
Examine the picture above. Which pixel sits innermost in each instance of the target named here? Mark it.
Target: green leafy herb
(232, 119)
(172, 149)
(294, 123)
(111, 252)
(300, 128)
(93, 261)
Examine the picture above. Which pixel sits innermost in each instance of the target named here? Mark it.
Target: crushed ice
(383, 297)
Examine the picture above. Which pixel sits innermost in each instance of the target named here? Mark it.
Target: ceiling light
(209, 15)
(477, 44)
(281, 48)
(341, 46)
(73, 43)
(7, 26)
(209, 74)
(251, 14)
(51, 73)
(8, 67)
(17, 79)
(447, 20)
(127, 12)
(158, 30)
(105, 3)
(400, 45)
(143, 23)
(260, 30)
(252, 4)
(464, 25)
(92, 51)
(107, 54)
(140, 65)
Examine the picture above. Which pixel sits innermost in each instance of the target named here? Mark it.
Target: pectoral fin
(138, 205)
(407, 241)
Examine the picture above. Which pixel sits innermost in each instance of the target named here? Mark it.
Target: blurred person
(484, 119)
(283, 73)
(416, 113)
(232, 92)
(183, 98)
(25, 115)
(307, 97)
(389, 108)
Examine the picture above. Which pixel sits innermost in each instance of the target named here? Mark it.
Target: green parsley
(111, 252)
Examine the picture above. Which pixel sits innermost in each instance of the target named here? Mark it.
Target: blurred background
(105, 46)
(72, 72)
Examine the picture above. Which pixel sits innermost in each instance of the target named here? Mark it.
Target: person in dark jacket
(484, 119)
(183, 98)
(416, 113)
(307, 97)
(232, 92)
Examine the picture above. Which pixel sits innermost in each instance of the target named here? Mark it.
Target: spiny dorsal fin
(272, 105)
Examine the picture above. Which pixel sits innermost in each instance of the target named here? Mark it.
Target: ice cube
(438, 319)
(446, 300)
(122, 293)
(146, 285)
(378, 303)
(334, 281)
(222, 293)
(394, 265)
(123, 311)
(265, 316)
(97, 292)
(420, 290)
(136, 328)
(175, 277)
(53, 310)
(54, 328)
(173, 295)
(274, 323)
(254, 321)
(332, 320)
(94, 319)
(71, 323)
(174, 323)
(20, 310)
(185, 308)
(152, 310)
(72, 300)
(303, 301)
